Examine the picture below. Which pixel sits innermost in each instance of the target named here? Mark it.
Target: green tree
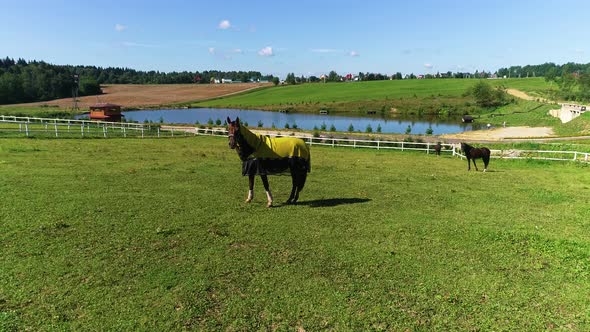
(290, 79)
(275, 81)
(486, 96)
(89, 86)
(333, 76)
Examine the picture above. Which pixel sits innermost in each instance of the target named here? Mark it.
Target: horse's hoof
(485, 170)
(248, 200)
(269, 205)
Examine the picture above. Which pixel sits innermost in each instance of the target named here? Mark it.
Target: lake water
(302, 120)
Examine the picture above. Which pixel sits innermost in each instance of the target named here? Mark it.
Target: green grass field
(131, 234)
(297, 95)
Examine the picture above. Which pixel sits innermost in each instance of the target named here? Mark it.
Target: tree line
(572, 79)
(22, 81)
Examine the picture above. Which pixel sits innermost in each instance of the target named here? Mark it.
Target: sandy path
(502, 133)
(523, 95)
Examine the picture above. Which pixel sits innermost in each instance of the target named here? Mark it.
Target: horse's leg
(468, 164)
(301, 177)
(250, 188)
(267, 188)
(486, 161)
(293, 187)
(474, 164)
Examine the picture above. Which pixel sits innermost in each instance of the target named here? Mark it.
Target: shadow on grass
(333, 202)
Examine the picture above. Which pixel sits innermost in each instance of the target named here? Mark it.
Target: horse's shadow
(333, 202)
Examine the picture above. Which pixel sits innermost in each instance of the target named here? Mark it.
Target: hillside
(342, 96)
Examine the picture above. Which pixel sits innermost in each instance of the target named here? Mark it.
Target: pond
(302, 120)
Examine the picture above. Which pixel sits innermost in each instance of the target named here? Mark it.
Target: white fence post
(82, 129)
(402, 146)
(55, 125)
(428, 148)
(27, 131)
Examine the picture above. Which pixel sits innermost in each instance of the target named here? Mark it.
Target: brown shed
(105, 111)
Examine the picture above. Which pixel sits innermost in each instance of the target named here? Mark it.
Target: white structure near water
(568, 112)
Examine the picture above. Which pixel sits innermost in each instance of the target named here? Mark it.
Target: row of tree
(548, 69)
(335, 77)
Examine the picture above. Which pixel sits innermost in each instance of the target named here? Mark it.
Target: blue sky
(305, 37)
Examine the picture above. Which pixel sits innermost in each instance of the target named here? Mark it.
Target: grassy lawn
(311, 94)
(131, 234)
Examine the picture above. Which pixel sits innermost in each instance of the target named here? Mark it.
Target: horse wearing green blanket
(264, 155)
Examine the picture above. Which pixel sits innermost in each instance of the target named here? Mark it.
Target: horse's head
(465, 147)
(233, 132)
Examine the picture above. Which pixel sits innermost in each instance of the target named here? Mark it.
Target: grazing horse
(263, 155)
(474, 153)
(437, 148)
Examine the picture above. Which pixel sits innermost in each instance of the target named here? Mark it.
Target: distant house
(226, 80)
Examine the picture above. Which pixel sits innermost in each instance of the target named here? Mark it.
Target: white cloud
(428, 65)
(266, 51)
(224, 25)
(237, 50)
(212, 50)
(353, 53)
(120, 27)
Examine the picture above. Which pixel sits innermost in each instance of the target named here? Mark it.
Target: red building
(105, 111)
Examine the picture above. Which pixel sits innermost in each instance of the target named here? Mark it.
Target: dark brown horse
(263, 155)
(437, 148)
(475, 153)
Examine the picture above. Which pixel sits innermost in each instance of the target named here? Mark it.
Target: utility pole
(75, 88)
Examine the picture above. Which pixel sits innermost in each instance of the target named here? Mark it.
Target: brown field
(139, 96)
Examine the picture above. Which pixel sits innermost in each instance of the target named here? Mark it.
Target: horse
(437, 148)
(474, 153)
(262, 155)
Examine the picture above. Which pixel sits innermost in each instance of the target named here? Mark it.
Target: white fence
(537, 155)
(30, 126)
(453, 149)
(84, 128)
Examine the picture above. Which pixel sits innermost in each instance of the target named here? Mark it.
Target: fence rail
(27, 126)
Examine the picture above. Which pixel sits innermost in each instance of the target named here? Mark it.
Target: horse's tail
(486, 157)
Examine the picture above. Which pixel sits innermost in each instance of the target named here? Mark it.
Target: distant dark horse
(437, 148)
(474, 153)
(263, 155)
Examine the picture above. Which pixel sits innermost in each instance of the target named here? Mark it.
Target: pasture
(366, 91)
(154, 234)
